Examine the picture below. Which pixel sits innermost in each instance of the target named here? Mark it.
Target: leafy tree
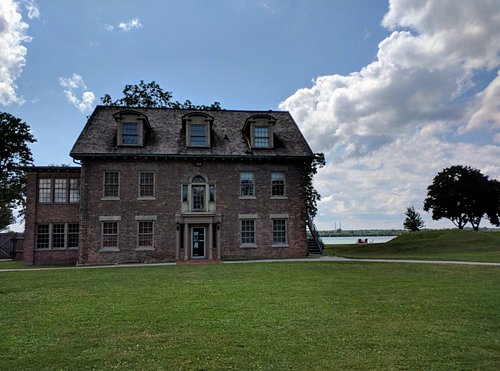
(14, 152)
(463, 195)
(312, 196)
(151, 95)
(413, 221)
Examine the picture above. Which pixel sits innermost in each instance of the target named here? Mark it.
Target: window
(211, 193)
(57, 236)
(247, 231)
(132, 128)
(277, 184)
(74, 190)
(111, 184)
(197, 127)
(261, 136)
(45, 190)
(110, 235)
(247, 184)
(73, 234)
(60, 190)
(146, 184)
(198, 135)
(42, 236)
(145, 235)
(198, 195)
(130, 133)
(279, 232)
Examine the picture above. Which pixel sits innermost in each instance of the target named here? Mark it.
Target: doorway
(198, 242)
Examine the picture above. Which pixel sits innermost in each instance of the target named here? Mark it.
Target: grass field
(252, 316)
(432, 245)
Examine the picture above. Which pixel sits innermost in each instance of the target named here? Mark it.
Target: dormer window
(198, 135)
(130, 133)
(259, 131)
(198, 127)
(132, 128)
(261, 136)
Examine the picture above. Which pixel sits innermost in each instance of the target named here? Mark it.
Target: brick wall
(169, 175)
(46, 213)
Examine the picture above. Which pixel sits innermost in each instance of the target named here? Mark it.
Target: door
(198, 242)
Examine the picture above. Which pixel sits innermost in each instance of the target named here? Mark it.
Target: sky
(392, 92)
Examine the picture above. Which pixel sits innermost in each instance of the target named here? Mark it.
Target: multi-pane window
(279, 232)
(111, 184)
(60, 191)
(110, 234)
(146, 184)
(247, 231)
(277, 184)
(45, 190)
(146, 233)
(261, 136)
(73, 233)
(198, 135)
(42, 236)
(198, 196)
(247, 187)
(57, 236)
(130, 133)
(185, 188)
(74, 190)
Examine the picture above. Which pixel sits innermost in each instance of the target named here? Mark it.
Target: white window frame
(110, 219)
(247, 196)
(50, 234)
(104, 184)
(278, 196)
(140, 185)
(248, 218)
(279, 217)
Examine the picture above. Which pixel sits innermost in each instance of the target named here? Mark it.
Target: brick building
(161, 185)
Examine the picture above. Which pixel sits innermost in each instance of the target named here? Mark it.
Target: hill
(429, 245)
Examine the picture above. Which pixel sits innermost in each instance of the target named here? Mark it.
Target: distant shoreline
(383, 232)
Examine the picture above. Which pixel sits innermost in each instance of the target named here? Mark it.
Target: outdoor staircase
(314, 244)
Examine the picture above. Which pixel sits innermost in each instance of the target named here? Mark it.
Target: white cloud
(487, 111)
(75, 82)
(32, 9)
(134, 23)
(13, 33)
(386, 129)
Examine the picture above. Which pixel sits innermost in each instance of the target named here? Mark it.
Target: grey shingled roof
(98, 137)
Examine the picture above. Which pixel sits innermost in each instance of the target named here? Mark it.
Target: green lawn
(252, 316)
(433, 245)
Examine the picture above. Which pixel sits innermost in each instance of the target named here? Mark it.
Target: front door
(198, 242)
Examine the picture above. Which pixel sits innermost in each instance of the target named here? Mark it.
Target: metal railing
(314, 233)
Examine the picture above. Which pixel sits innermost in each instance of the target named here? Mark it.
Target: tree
(312, 196)
(151, 95)
(14, 152)
(413, 221)
(463, 195)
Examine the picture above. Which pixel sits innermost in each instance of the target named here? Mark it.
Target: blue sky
(391, 92)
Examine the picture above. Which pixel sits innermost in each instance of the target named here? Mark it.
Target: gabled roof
(167, 136)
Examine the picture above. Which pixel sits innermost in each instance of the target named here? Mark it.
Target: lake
(354, 239)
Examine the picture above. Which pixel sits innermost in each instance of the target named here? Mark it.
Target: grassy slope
(434, 245)
(252, 316)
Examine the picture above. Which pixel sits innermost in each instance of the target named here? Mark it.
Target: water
(354, 239)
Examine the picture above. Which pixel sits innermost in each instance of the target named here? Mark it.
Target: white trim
(110, 218)
(146, 218)
(248, 216)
